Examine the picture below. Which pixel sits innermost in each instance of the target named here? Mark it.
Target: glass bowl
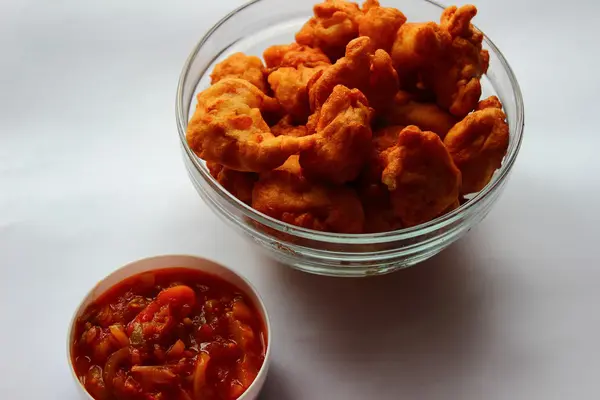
(262, 23)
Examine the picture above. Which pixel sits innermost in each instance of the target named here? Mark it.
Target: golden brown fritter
(478, 144)
(371, 73)
(420, 175)
(368, 4)
(353, 71)
(386, 137)
(286, 194)
(427, 116)
(383, 139)
(227, 128)
(239, 184)
(451, 208)
(455, 78)
(447, 59)
(334, 24)
(383, 83)
(490, 102)
(374, 195)
(239, 65)
(289, 86)
(286, 127)
(343, 137)
(294, 55)
(380, 24)
(417, 45)
(379, 215)
(292, 66)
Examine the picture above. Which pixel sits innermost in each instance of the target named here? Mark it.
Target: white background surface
(91, 178)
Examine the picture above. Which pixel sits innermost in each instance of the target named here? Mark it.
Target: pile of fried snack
(365, 124)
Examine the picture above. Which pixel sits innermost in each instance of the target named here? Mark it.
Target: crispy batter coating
(478, 144)
(447, 58)
(353, 71)
(371, 73)
(342, 139)
(380, 24)
(290, 89)
(239, 65)
(490, 102)
(386, 137)
(456, 77)
(457, 22)
(420, 175)
(379, 215)
(286, 127)
(292, 66)
(334, 24)
(294, 55)
(416, 45)
(239, 184)
(383, 139)
(374, 195)
(227, 128)
(286, 194)
(452, 207)
(383, 83)
(368, 4)
(427, 116)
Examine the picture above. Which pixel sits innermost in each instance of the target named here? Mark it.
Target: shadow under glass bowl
(262, 23)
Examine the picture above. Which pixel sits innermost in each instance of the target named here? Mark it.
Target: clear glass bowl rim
(327, 237)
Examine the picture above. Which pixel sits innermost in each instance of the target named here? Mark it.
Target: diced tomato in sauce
(173, 334)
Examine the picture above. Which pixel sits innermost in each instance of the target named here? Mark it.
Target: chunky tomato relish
(173, 334)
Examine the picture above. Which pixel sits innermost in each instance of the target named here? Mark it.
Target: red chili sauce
(174, 334)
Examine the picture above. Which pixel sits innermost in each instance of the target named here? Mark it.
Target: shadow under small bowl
(164, 263)
(261, 23)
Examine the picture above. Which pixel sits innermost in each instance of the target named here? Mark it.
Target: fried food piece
(292, 67)
(380, 24)
(353, 71)
(420, 175)
(371, 73)
(290, 89)
(286, 127)
(386, 137)
(368, 4)
(382, 140)
(334, 24)
(427, 116)
(286, 194)
(478, 144)
(447, 58)
(379, 215)
(239, 65)
(490, 102)
(227, 128)
(374, 195)
(456, 77)
(239, 184)
(451, 208)
(342, 139)
(383, 83)
(416, 45)
(294, 55)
